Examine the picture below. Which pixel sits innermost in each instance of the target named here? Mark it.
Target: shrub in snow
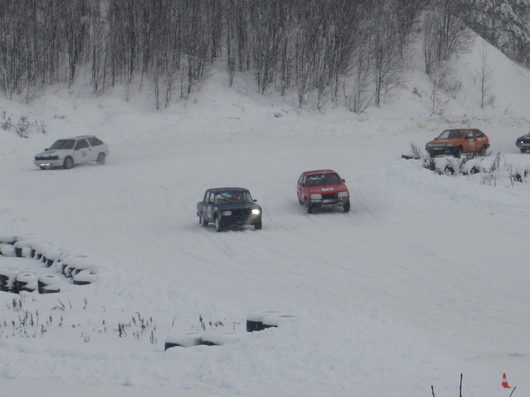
(23, 127)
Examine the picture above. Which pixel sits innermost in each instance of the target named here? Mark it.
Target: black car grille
(39, 158)
(329, 196)
(241, 214)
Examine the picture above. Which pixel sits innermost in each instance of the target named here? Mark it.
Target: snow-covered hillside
(426, 278)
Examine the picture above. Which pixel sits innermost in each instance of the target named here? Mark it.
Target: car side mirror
(46, 149)
(343, 180)
(255, 200)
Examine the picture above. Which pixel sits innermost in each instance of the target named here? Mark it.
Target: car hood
(327, 189)
(440, 141)
(57, 152)
(237, 206)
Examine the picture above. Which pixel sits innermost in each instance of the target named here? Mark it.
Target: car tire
(68, 163)
(218, 226)
(102, 157)
(308, 206)
(523, 150)
(346, 206)
(203, 222)
(257, 225)
(300, 200)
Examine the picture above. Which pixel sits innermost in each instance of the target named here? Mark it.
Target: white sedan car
(68, 152)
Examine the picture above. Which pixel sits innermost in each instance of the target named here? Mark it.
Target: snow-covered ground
(426, 278)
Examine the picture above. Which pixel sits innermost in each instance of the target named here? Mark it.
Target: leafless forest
(345, 51)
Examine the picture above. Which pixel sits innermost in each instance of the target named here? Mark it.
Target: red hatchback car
(322, 188)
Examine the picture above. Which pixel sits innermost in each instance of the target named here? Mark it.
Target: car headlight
(256, 211)
(316, 197)
(226, 213)
(343, 194)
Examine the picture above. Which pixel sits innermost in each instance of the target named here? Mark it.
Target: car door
(300, 187)
(209, 206)
(471, 142)
(96, 148)
(81, 151)
(480, 138)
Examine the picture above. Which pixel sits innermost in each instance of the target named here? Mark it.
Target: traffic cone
(505, 382)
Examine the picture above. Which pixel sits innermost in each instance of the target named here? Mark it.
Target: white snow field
(426, 278)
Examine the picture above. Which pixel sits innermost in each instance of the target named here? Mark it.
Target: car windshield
(450, 134)
(63, 144)
(323, 179)
(233, 196)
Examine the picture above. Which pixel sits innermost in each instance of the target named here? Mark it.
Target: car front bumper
(440, 150)
(329, 202)
(47, 163)
(227, 220)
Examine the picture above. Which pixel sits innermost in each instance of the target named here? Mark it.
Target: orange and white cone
(505, 382)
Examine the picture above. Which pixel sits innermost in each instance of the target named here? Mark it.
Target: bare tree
(485, 75)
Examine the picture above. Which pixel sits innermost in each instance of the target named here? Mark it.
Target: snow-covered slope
(424, 279)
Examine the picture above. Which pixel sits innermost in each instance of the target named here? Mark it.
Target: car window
(323, 179)
(63, 144)
(233, 197)
(81, 144)
(450, 134)
(95, 141)
(478, 133)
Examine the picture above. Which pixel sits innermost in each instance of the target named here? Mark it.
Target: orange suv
(458, 141)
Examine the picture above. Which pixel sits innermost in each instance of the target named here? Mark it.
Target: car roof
(462, 129)
(319, 172)
(78, 137)
(224, 189)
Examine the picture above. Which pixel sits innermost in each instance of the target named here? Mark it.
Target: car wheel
(101, 158)
(68, 163)
(346, 206)
(218, 226)
(203, 222)
(523, 150)
(257, 225)
(308, 206)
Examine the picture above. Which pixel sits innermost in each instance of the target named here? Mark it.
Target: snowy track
(426, 274)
